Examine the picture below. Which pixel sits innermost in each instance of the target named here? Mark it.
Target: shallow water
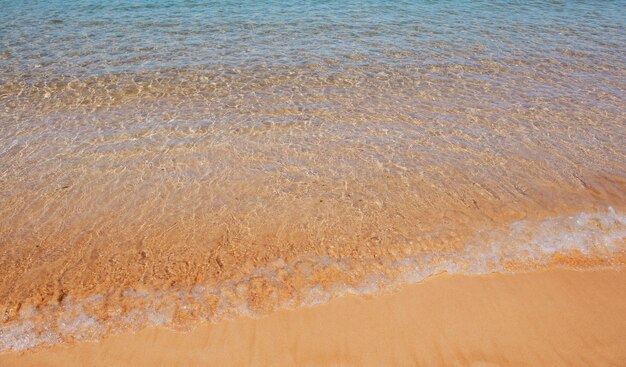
(170, 162)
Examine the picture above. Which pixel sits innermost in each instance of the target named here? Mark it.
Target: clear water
(170, 162)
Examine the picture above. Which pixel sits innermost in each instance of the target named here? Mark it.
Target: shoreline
(552, 317)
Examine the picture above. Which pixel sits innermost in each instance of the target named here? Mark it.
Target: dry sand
(551, 318)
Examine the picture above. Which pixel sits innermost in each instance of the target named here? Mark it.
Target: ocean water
(170, 162)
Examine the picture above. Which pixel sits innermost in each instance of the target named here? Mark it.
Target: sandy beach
(551, 318)
(312, 183)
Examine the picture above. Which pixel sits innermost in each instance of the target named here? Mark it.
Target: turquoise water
(84, 38)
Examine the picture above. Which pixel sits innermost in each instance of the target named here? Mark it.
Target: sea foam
(527, 245)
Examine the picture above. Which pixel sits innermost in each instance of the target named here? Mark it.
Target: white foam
(590, 234)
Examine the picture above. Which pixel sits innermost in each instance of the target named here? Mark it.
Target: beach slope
(549, 318)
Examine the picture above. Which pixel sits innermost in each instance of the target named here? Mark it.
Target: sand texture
(551, 318)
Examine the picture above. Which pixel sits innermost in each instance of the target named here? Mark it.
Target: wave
(585, 240)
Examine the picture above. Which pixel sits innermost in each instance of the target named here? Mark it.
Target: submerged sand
(551, 318)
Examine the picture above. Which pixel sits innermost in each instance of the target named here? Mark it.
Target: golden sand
(551, 318)
(194, 163)
(275, 182)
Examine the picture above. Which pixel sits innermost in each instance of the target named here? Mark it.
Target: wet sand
(550, 318)
(169, 164)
